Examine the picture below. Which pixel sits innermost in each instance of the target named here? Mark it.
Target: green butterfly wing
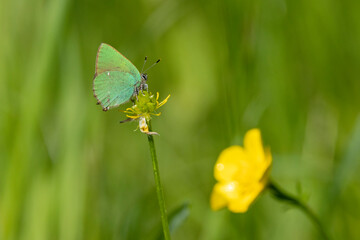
(109, 59)
(115, 77)
(113, 88)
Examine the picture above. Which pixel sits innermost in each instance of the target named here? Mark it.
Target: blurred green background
(70, 171)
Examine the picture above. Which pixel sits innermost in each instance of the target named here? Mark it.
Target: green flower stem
(159, 188)
(284, 196)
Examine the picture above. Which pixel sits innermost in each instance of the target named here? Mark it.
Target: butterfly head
(144, 77)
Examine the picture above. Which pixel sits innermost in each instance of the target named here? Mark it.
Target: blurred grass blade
(23, 157)
(176, 218)
(349, 165)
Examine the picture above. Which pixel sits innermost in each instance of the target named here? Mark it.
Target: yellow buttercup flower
(145, 105)
(242, 173)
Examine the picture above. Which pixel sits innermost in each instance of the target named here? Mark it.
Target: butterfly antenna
(153, 65)
(144, 64)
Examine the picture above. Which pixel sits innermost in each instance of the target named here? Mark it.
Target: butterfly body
(116, 79)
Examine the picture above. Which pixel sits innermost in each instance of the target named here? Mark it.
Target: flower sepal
(144, 128)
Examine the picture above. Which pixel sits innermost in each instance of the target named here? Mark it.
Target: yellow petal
(228, 163)
(253, 144)
(247, 195)
(217, 199)
(234, 164)
(133, 117)
(223, 194)
(157, 96)
(236, 197)
(252, 140)
(129, 109)
(163, 102)
(156, 114)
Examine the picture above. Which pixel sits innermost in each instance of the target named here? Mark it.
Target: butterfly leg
(136, 93)
(127, 120)
(133, 98)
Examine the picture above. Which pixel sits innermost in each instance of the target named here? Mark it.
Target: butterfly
(116, 79)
